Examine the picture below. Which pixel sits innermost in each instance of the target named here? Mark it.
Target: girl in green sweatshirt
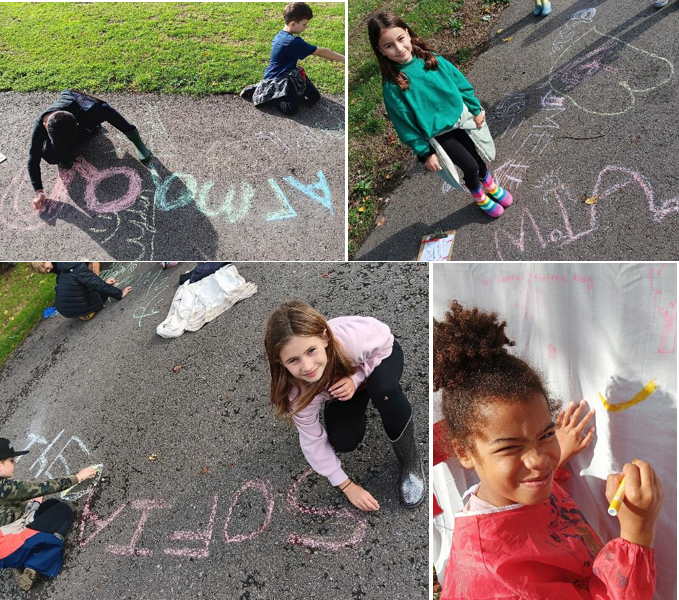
(428, 99)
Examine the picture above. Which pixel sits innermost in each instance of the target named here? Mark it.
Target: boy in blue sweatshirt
(285, 83)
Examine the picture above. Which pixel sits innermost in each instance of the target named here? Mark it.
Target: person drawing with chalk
(59, 128)
(520, 535)
(339, 365)
(32, 529)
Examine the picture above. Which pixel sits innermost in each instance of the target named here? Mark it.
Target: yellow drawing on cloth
(645, 392)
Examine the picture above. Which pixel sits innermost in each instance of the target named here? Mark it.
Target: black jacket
(79, 289)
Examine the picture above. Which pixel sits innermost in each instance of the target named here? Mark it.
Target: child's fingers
(612, 483)
(577, 413)
(645, 474)
(587, 440)
(583, 424)
(632, 483)
(567, 415)
(559, 419)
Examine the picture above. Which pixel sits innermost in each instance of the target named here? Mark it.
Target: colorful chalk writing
(262, 487)
(204, 537)
(645, 392)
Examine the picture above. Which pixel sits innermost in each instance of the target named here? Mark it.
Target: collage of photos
(339, 300)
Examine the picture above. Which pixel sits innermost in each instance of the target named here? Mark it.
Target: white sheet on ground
(591, 329)
(198, 303)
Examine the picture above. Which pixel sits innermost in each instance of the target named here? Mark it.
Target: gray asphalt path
(257, 525)
(227, 181)
(580, 103)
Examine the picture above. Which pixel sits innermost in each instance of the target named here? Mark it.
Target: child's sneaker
(538, 8)
(26, 579)
(494, 191)
(87, 317)
(248, 92)
(659, 3)
(491, 208)
(546, 7)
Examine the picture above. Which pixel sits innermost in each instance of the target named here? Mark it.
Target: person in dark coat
(80, 293)
(62, 124)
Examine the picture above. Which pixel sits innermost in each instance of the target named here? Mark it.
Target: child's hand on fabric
(86, 473)
(432, 163)
(111, 281)
(360, 498)
(571, 433)
(643, 499)
(127, 290)
(480, 119)
(343, 389)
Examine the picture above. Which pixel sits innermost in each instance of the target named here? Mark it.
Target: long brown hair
(382, 20)
(296, 317)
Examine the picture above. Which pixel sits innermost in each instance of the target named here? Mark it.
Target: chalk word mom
(234, 206)
(91, 524)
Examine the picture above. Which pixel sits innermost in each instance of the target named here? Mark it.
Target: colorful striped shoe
(494, 191)
(492, 209)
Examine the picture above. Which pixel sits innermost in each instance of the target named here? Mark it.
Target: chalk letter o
(261, 486)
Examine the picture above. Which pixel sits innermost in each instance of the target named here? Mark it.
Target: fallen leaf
(324, 275)
(508, 39)
(228, 396)
(361, 209)
(230, 465)
(205, 470)
(177, 368)
(381, 221)
(153, 457)
(486, 18)
(499, 31)
(592, 199)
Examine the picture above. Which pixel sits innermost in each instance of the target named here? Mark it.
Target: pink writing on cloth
(543, 551)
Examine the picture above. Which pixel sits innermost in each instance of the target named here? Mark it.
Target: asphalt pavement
(203, 493)
(227, 181)
(582, 105)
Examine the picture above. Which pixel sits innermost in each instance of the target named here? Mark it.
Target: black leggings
(345, 421)
(100, 113)
(459, 146)
(288, 104)
(53, 516)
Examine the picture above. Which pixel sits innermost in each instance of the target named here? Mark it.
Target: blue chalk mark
(232, 214)
(287, 212)
(311, 189)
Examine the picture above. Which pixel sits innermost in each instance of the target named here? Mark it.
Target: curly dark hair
(473, 369)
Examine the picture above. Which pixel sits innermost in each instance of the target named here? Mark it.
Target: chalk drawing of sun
(549, 182)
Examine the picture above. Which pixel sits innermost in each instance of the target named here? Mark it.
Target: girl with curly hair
(341, 364)
(519, 534)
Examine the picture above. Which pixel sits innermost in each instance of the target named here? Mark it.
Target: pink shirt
(367, 342)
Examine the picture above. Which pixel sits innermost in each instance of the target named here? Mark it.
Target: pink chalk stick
(269, 501)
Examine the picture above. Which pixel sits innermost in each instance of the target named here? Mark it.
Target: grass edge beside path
(24, 295)
(460, 30)
(166, 47)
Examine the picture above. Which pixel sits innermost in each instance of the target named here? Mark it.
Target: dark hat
(8, 451)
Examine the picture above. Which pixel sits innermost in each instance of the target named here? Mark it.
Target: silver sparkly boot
(412, 484)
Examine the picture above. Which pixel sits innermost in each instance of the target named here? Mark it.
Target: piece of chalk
(619, 497)
(3, 158)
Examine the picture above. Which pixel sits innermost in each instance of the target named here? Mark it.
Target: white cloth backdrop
(591, 329)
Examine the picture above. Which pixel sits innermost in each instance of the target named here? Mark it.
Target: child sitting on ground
(285, 83)
(519, 534)
(80, 293)
(32, 533)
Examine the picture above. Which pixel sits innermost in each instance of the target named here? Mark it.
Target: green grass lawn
(23, 296)
(192, 48)
(458, 29)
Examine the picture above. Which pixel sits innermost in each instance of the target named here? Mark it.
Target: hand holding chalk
(636, 497)
(86, 473)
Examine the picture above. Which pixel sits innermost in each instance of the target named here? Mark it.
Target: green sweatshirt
(14, 494)
(431, 105)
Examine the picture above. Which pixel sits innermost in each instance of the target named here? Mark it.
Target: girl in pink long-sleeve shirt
(520, 535)
(341, 364)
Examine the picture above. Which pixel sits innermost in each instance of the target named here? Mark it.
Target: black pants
(289, 103)
(100, 113)
(459, 146)
(53, 516)
(345, 421)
